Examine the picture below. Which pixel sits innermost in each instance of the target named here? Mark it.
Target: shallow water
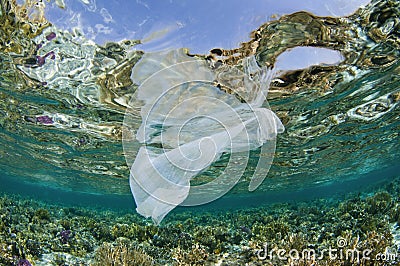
(64, 91)
(341, 121)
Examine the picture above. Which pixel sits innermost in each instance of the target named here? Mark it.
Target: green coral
(379, 203)
(42, 214)
(134, 231)
(196, 256)
(121, 253)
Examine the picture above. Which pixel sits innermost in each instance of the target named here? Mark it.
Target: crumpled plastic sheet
(191, 114)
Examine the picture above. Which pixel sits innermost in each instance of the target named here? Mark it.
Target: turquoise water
(63, 99)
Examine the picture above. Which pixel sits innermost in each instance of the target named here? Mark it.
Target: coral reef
(43, 234)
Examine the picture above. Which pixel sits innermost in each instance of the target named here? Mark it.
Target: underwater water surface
(65, 99)
(70, 70)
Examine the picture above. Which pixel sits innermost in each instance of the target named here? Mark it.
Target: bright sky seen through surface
(170, 24)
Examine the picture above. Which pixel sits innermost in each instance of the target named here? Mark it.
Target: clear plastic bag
(188, 120)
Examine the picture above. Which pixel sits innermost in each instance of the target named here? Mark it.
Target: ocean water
(67, 100)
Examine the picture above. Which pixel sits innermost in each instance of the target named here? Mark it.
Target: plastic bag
(191, 114)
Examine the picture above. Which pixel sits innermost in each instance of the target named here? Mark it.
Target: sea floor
(359, 229)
